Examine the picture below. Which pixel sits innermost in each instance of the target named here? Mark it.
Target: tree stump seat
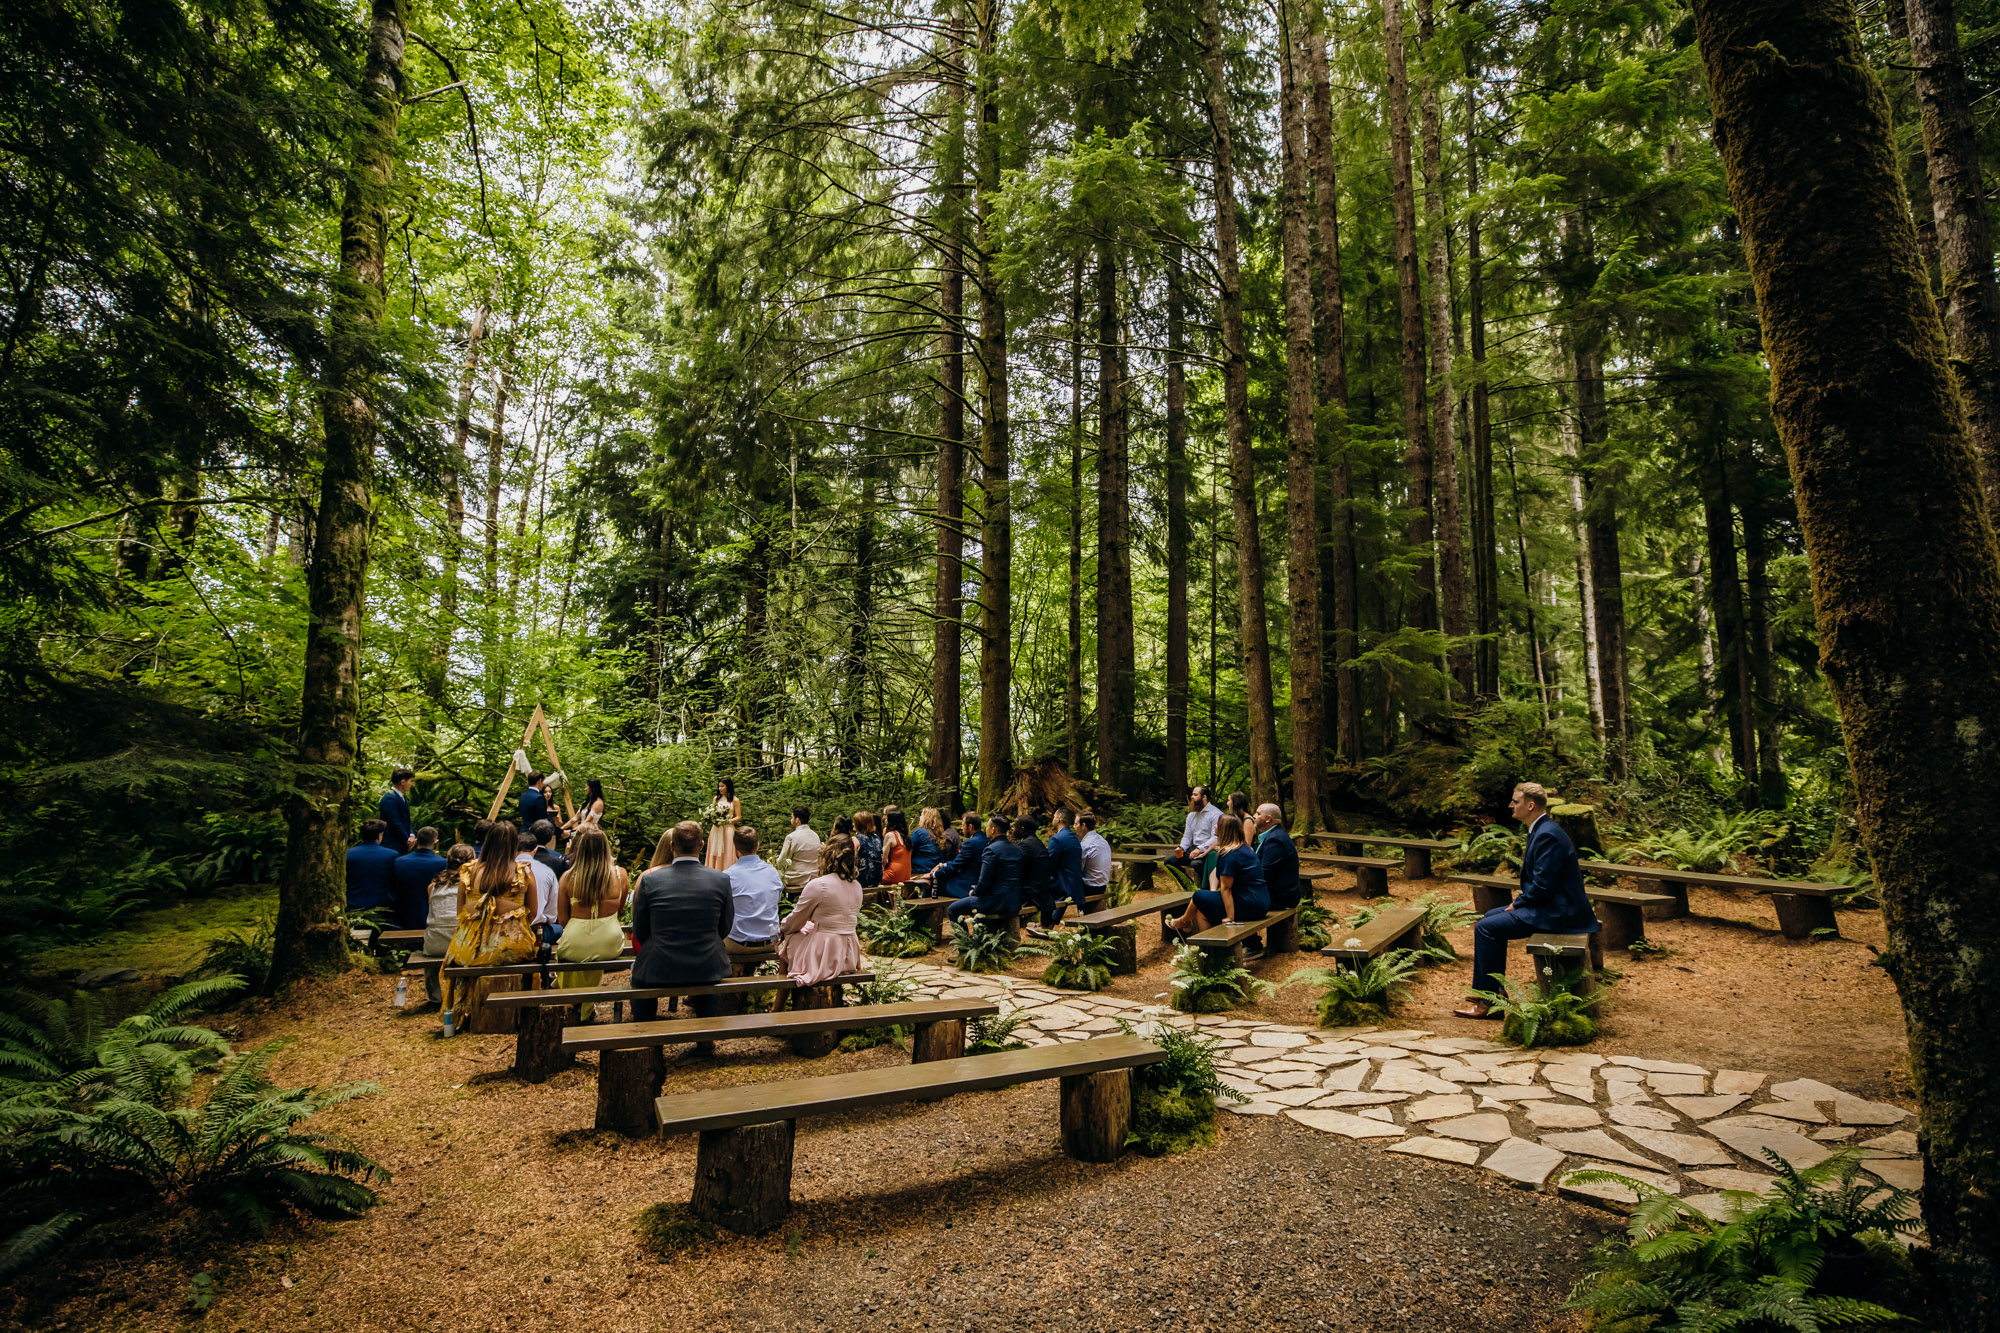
(744, 1161)
(1575, 958)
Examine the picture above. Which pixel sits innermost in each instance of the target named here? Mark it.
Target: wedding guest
(589, 896)
(1096, 853)
(755, 887)
(798, 859)
(371, 870)
(927, 842)
(415, 869)
(1065, 867)
(394, 810)
(681, 915)
(896, 846)
(1240, 893)
(817, 942)
(867, 849)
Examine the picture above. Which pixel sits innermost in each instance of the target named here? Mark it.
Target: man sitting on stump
(1551, 900)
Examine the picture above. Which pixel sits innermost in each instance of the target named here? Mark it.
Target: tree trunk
(1236, 416)
(1725, 591)
(496, 436)
(311, 935)
(1586, 596)
(1302, 479)
(1965, 243)
(1073, 674)
(1906, 584)
(860, 628)
(436, 675)
(1416, 424)
(947, 609)
(1331, 329)
(755, 677)
(1178, 533)
(1116, 649)
(1444, 436)
(743, 1177)
(1600, 514)
(996, 532)
(1485, 527)
(1096, 1114)
(1771, 792)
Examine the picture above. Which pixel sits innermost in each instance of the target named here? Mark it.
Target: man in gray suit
(680, 917)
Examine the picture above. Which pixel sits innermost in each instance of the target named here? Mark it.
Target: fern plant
(994, 1032)
(894, 932)
(127, 1134)
(1763, 1266)
(242, 849)
(1712, 848)
(1548, 1013)
(1173, 1101)
(1353, 997)
(975, 948)
(1198, 984)
(889, 987)
(1442, 915)
(45, 1040)
(1078, 959)
(240, 954)
(1314, 933)
(1493, 848)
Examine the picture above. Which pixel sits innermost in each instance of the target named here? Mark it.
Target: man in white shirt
(545, 894)
(1096, 857)
(755, 887)
(1198, 830)
(798, 860)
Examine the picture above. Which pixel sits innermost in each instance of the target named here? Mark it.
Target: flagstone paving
(1535, 1118)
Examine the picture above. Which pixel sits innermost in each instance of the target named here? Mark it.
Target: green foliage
(892, 986)
(1548, 1013)
(1135, 822)
(976, 948)
(243, 848)
(1796, 1260)
(238, 954)
(1314, 933)
(668, 1230)
(1352, 997)
(1712, 848)
(51, 1041)
(994, 1032)
(1078, 959)
(1493, 848)
(1442, 915)
(1211, 981)
(893, 931)
(1173, 1101)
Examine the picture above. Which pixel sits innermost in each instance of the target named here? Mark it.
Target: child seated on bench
(1240, 893)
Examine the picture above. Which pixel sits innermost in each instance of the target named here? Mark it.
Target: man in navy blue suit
(1065, 867)
(371, 870)
(534, 801)
(1279, 856)
(394, 810)
(961, 876)
(1551, 900)
(1000, 870)
(414, 871)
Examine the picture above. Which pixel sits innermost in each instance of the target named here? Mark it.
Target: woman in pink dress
(817, 941)
(724, 813)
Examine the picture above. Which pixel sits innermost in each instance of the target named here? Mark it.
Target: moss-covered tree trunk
(1906, 583)
(1422, 604)
(1178, 536)
(1444, 433)
(434, 676)
(1073, 673)
(947, 628)
(311, 926)
(1117, 696)
(1302, 435)
(1485, 533)
(996, 523)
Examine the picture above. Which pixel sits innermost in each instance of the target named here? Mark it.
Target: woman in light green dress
(589, 898)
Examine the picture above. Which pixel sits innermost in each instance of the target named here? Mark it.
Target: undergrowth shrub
(1078, 959)
(1489, 851)
(1173, 1101)
(1549, 1012)
(1442, 915)
(239, 953)
(46, 1040)
(894, 932)
(994, 1032)
(1198, 984)
(1314, 933)
(1355, 997)
(975, 948)
(1711, 848)
(892, 986)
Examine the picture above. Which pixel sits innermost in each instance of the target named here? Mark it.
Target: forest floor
(506, 1211)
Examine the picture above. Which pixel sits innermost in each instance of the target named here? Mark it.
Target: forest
(1366, 406)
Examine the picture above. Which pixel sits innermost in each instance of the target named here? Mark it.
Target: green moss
(166, 942)
(1339, 1011)
(668, 1230)
(1166, 1121)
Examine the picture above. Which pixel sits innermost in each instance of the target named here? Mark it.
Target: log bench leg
(1139, 874)
(1416, 863)
(930, 918)
(1624, 924)
(1489, 897)
(1800, 914)
(1672, 888)
(538, 1048)
(743, 1177)
(1096, 1114)
(628, 1082)
(492, 1020)
(1283, 937)
(943, 1040)
(1342, 847)
(1124, 939)
(1373, 881)
(824, 996)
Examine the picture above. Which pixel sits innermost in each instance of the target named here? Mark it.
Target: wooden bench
(543, 1014)
(1621, 912)
(1805, 908)
(1371, 873)
(1397, 928)
(929, 913)
(743, 1167)
(1121, 924)
(632, 1065)
(1139, 866)
(1488, 891)
(1280, 929)
(1416, 851)
(387, 941)
(1571, 953)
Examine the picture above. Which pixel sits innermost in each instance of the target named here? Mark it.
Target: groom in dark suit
(680, 917)
(1551, 900)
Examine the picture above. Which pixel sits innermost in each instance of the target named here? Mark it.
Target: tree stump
(1624, 924)
(1124, 939)
(823, 996)
(1096, 1114)
(628, 1082)
(1489, 897)
(1139, 874)
(1373, 881)
(1800, 914)
(1416, 863)
(489, 1019)
(538, 1048)
(929, 915)
(743, 1177)
(943, 1040)
(1580, 822)
(1284, 936)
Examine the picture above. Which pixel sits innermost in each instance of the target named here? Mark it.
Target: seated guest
(953, 836)
(394, 810)
(544, 916)
(927, 841)
(798, 860)
(415, 869)
(441, 917)
(1239, 893)
(1096, 853)
(1279, 856)
(1065, 868)
(817, 942)
(958, 877)
(867, 849)
(1551, 899)
(1037, 886)
(998, 892)
(896, 860)
(843, 827)
(534, 801)
(497, 906)
(371, 870)
(1197, 844)
(755, 887)
(680, 916)
(589, 897)
(544, 831)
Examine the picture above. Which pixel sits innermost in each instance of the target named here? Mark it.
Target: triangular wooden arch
(539, 722)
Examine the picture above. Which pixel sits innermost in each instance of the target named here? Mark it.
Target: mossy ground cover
(164, 942)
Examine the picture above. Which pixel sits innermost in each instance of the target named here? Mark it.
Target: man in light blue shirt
(1198, 830)
(755, 886)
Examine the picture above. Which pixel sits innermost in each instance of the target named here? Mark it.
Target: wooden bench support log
(1490, 897)
(929, 913)
(1672, 888)
(538, 1048)
(1416, 863)
(743, 1177)
(491, 1019)
(628, 1084)
(1283, 937)
(1124, 947)
(1096, 1114)
(1624, 924)
(1799, 915)
(944, 1040)
(1373, 881)
(1139, 874)
(815, 1044)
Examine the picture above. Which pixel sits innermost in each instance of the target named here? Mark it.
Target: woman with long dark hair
(496, 896)
(724, 814)
(896, 853)
(590, 814)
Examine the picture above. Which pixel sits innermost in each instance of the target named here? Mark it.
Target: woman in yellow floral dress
(496, 903)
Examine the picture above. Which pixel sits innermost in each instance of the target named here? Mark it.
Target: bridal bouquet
(717, 813)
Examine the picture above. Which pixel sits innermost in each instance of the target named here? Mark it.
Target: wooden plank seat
(543, 1014)
(632, 1066)
(1371, 873)
(1488, 891)
(1804, 907)
(386, 941)
(1621, 912)
(1280, 931)
(1416, 851)
(1121, 924)
(1397, 928)
(743, 1166)
(1568, 953)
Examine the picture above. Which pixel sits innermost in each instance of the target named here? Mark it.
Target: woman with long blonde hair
(497, 905)
(589, 898)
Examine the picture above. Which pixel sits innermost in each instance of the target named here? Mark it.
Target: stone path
(1534, 1117)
